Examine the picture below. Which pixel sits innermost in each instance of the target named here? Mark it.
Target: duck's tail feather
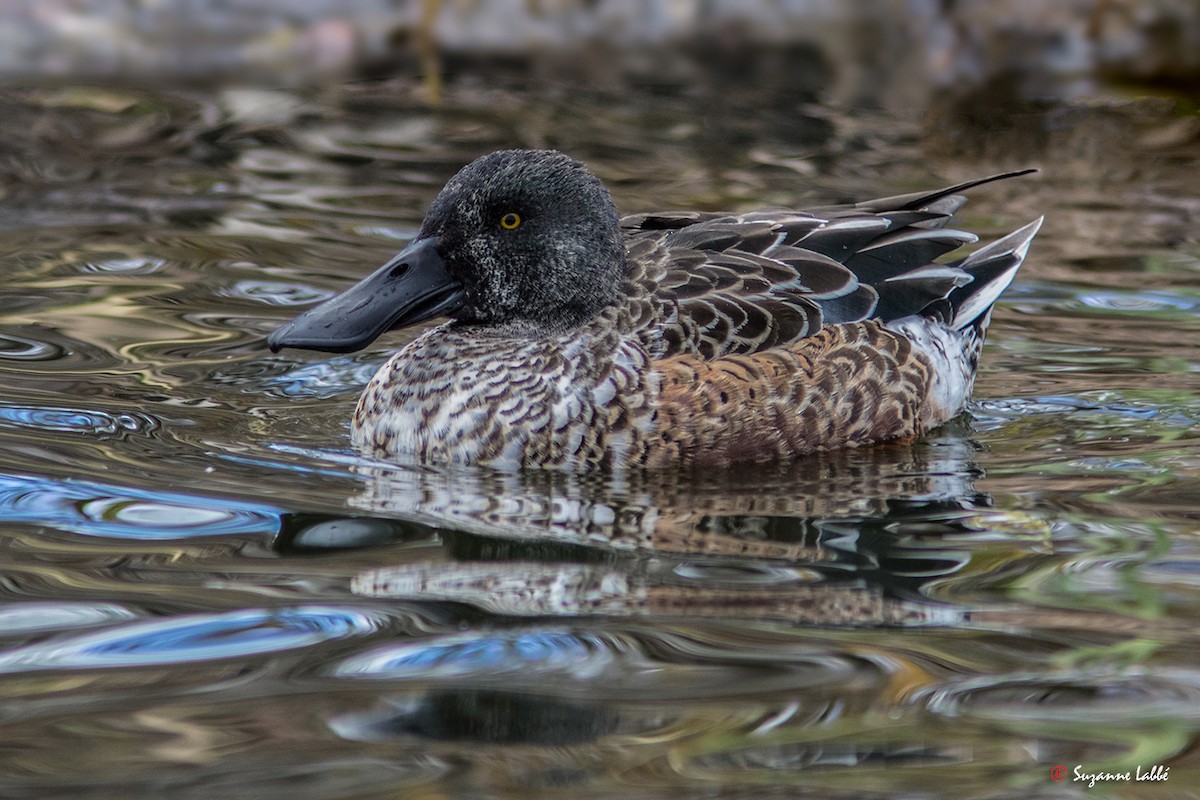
(916, 233)
(992, 268)
(942, 201)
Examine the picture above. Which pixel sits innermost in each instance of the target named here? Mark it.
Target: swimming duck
(578, 339)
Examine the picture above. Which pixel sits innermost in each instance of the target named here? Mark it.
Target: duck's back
(775, 333)
(716, 284)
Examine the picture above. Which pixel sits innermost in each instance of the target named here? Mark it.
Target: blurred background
(703, 98)
(701, 95)
(894, 52)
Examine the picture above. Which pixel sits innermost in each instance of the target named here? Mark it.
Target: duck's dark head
(528, 238)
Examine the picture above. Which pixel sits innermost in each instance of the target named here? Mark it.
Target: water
(206, 593)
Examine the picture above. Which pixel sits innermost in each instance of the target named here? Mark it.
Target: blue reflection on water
(1034, 297)
(202, 637)
(97, 509)
(987, 411)
(324, 379)
(73, 419)
(485, 653)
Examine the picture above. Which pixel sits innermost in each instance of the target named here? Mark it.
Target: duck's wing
(719, 284)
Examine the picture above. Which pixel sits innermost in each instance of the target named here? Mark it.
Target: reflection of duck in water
(775, 512)
(582, 340)
(812, 542)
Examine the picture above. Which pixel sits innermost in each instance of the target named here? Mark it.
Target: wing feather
(717, 284)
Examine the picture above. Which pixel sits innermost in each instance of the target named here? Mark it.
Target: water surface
(205, 592)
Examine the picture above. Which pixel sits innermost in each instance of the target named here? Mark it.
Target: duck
(576, 339)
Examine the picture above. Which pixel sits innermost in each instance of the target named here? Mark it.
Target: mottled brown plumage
(664, 339)
(846, 385)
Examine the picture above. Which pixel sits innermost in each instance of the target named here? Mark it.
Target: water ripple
(202, 637)
(95, 509)
(637, 663)
(325, 379)
(993, 411)
(128, 265)
(587, 590)
(275, 293)
(1137, 302)
(19, 618)
(745, 573)
(495, 653)
(37, 349)
(20, 348)
(81, 420)
(387, 232)
(1071, 697)
(1024, 406)
(1039, 298)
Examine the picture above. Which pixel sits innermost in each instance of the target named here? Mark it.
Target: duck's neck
(563, 324)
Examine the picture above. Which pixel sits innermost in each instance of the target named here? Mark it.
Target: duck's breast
(566, 401)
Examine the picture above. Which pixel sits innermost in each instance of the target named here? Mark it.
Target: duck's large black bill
(412, 287)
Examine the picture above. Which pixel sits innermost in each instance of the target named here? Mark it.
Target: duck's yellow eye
(510, 221)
